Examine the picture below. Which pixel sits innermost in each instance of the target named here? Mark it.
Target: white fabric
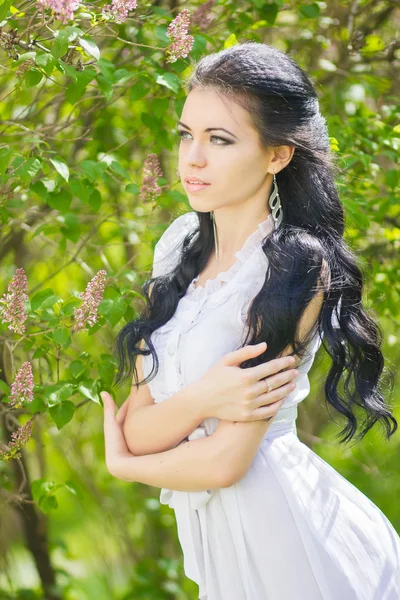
(293, 528)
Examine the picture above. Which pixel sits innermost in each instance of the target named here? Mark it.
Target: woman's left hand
(116, 449)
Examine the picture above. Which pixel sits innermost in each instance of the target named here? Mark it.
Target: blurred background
(90, 97)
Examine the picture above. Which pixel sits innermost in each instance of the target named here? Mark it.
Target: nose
(195, 155)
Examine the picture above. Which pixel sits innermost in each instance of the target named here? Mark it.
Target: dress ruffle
(243, 255)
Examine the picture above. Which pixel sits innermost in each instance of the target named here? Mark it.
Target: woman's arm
(151, 427)
(158, 427)
(195, 465)
(192, 466)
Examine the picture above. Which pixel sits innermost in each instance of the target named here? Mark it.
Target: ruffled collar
(252, 244)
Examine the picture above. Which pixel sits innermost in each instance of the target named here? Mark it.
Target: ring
(266, 381)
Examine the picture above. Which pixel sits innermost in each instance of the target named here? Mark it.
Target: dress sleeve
(168, 248)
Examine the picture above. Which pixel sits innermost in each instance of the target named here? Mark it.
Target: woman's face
(232, 161)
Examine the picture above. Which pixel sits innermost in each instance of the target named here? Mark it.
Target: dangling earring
(276, 207)
(215, 234)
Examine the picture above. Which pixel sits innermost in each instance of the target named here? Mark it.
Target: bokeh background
(90, 97)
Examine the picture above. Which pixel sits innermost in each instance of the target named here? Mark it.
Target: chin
(200, 208)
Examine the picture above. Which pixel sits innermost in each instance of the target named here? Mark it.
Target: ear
(281, 157)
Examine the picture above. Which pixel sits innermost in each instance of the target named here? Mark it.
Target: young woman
(259, 514)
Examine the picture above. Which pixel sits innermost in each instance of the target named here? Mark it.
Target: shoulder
(166, 250)
(179, 227)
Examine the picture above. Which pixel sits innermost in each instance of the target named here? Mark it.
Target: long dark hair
(305, 252)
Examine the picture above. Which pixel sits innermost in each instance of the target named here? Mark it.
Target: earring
(276, 206)
(215, 234)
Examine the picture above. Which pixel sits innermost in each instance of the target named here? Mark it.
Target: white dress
(293, 528)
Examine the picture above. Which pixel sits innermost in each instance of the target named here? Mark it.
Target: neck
(230, 236)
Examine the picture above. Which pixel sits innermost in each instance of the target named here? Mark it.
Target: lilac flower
(181, 43)
(22, 388)
(18, 440)
(86, 314)
(150, 189)
(200, 16)
(64, 9)
(118, 10)
(14, 311)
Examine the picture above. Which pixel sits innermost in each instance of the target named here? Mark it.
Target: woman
(259, 515)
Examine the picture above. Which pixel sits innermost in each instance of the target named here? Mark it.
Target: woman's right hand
(235, 394)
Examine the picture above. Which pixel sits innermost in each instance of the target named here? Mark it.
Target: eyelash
(226, 142)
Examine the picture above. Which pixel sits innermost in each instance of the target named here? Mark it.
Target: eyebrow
(209, 129)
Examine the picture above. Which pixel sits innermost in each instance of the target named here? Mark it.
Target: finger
(114, 438)
(262, 414)
(274, 381)
(239, 356)
(110, 424)
(271, 367)
(122, 412)
(270, 398)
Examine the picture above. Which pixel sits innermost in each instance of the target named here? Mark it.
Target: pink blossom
(86, 314)
(181, 42)
(22, 388)
(64, 9)
(18, 440)
(118, 9)
(200, 16)
(150, 189)
(13, 310)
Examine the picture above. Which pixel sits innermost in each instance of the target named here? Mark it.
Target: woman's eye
(182, 133)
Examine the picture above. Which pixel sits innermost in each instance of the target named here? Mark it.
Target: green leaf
(77, 367)
(70, 33)
(61, 335)
(231, 41)
(48, 503)
(76, 89)
(41, 487)
(81, 188)
(161, 33)
(5, 155)
(59, 47)
(139, 90)
(44, 299)
(168, 80)
(108, 69)
(4, 8)
(28, 169)
(68, 307)
(132, 188)
(61, 200)
(117, 168)
(61, 167)
(373, 44)
(33, 77)
(93, 170)
(89, 390)
(4, 387)
(73, 489)
(89, 45)
(62, 413)
(112, 310)
(199, 46)
(310, 11)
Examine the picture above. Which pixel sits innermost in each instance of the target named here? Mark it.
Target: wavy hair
(306, 253)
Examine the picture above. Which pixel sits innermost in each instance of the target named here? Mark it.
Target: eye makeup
(226, 142)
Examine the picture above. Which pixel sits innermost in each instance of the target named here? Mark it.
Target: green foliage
(82, 105)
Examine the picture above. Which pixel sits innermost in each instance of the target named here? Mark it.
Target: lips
(196, 181)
